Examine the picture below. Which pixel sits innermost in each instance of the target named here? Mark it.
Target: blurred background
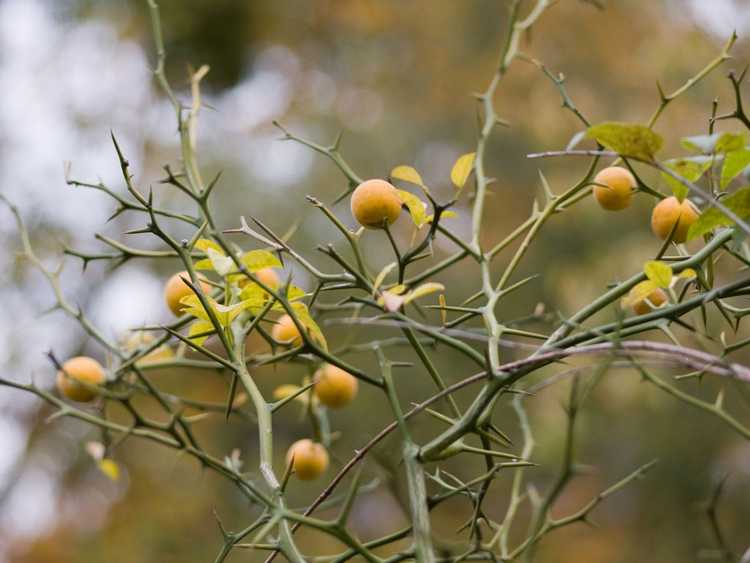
(397, 78)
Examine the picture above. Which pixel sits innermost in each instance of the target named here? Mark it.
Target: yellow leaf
(416, 207)
(443, 312)
(303, 314)
(408, 174)
(422, 290)
(204, 244)
(658, 272)
(639, 292)
(110, 468)
(259, 259)
(445, 215)
(688, 274)
(462, 168)
(284, 391)
(199, 331)
(382, 275)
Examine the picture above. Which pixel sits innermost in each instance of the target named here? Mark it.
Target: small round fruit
(375, 203)
(335, 387)
(309, 459)
(670, 211)
(616, 190)
(657, 298)
(286, 332)
(76, 370)
(143, 339)
(176, 289)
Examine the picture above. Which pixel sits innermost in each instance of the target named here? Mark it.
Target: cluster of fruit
(613, 189)
(374, 204)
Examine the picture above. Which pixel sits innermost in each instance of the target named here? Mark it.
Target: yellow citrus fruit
(670, 211)
(335, 388)
(374, 203)
(309, 459)
(286, 332)
(657, 298)
(76, 370)
(616, 190)
(176, 289)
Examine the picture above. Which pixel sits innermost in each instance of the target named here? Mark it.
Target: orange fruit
(77, 370)
(669, 212)
(375, 203)
(617, 187)
(176, 289)
(309, 459)
(335, 388)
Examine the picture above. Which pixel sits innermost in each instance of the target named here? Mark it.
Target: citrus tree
(230, 285)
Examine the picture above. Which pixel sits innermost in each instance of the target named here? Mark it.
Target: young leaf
(729, 142)
(462, 168)
(447, 214)
(407, 174)
(627, 139)
(204, 244)
(422, 290)
(416, 207)
(688, 168)
(711, 218)
(734, 163)
(303, 314)
(658, 272)
(259, 259)
(221, 264)
(382, 275)
(199, 331)
(700, 143)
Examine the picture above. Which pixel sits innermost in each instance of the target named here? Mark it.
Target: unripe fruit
(657, 298)
(670, 211)
(286, 332)
(617, 189)
(375, 202)
(335, 387)
(309, 459)
(176, 289)
(79, 369)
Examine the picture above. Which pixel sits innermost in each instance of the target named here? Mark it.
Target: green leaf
(407, 174)
(729, 142)
(711, 218)
(734, 163)
(689, 168)
(627, 139)
(447, 214)
(658, 272)
(259, 259)
(462, 168)
(417, 208)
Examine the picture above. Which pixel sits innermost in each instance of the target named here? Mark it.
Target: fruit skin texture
(335, 387)
(176, 289)
(619, 192)
(310, 459)
(657, 298)
(286, 331)
(670, 211)
(80, 368)
(375, 202)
